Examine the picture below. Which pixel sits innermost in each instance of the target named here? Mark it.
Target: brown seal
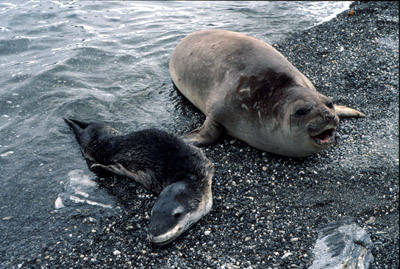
(247, 88)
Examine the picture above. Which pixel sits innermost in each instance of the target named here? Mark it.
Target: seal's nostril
(329, 117)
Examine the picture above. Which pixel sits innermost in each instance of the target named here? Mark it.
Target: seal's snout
(171, 214)
(328, 114)
(329, 117)
(322, 132)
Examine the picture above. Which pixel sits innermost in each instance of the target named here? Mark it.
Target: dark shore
(267, 208)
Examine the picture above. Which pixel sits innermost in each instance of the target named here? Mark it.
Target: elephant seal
(178, 173)
(246, 87)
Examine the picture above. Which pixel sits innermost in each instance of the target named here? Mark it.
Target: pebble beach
(267, 209)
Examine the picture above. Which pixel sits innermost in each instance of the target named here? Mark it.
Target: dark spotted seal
(247, 88)
(178, 173)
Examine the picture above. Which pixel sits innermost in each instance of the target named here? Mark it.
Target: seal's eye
(329, 104)
(302, 111)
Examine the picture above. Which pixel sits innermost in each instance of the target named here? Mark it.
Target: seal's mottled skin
(247, 88)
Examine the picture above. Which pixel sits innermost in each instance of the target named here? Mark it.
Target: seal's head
(179, 206)
(309, 122)
(283, 117)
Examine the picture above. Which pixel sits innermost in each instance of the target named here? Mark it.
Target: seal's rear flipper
(346, 112)
(207, 134)
(75, 123)
(78, 127)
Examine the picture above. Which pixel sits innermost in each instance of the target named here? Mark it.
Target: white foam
(6, 154)
(337, 7)
(103, 95)
(76, 199)
(79, 180)
(82, 193)
(98, 204)
(78, 188)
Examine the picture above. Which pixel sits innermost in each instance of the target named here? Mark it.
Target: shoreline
(267, 209)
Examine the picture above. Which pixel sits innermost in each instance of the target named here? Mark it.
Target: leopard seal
(180, 174)
(247, 88)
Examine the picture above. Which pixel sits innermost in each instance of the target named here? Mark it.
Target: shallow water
(99, 61)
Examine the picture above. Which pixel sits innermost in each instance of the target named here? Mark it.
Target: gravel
(267, 208)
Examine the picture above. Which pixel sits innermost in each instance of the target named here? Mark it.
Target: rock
(342, 244)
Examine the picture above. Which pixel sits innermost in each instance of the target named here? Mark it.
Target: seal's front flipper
(346, 112)
(207, 134)
(113, 168)
(146, 177)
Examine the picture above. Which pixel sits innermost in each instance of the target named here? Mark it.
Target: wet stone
(342, 244)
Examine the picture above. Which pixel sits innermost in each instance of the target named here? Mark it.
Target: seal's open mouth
(324, 138)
